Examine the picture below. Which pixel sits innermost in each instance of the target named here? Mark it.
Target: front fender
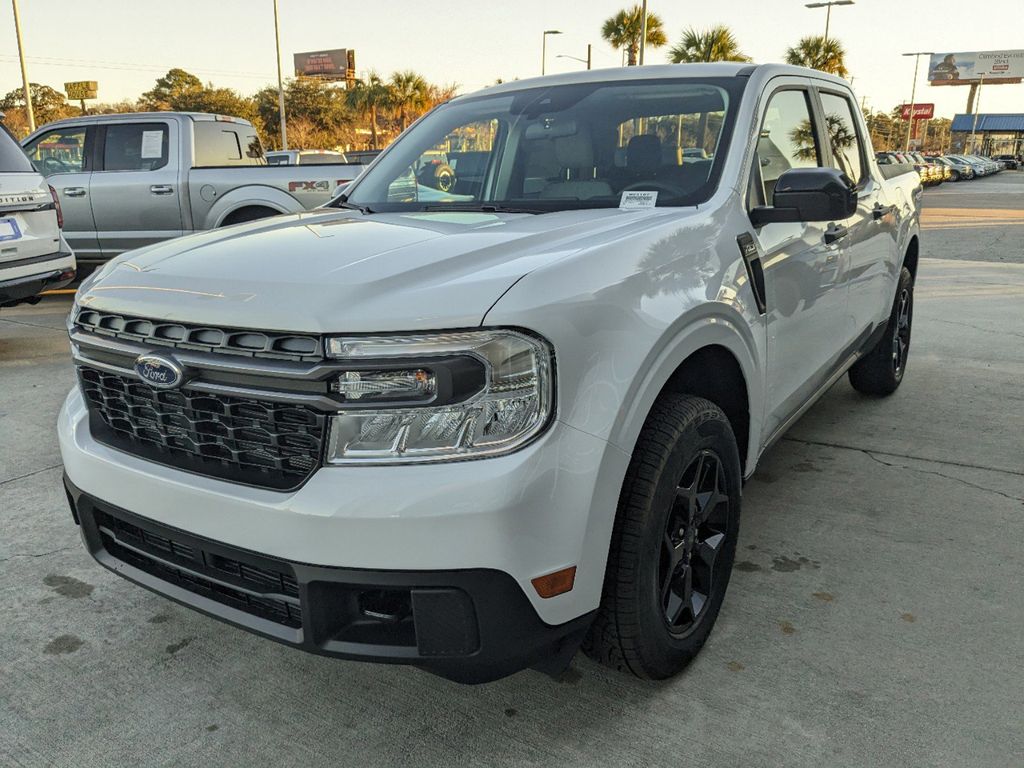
(252, 195)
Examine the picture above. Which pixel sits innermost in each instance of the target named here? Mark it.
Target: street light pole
(913, 94)
(828, 12)
(280, 82)
(576, 58)
(643, 34)
(544, 49)
(29, 112)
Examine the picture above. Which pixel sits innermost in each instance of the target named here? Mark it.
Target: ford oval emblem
(159, 371)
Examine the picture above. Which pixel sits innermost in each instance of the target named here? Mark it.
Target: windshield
(560, 148)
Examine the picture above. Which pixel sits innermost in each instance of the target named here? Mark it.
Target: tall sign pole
(280, 82)
(913, 93)
(24, 72)
(977, 108)
(643, 35)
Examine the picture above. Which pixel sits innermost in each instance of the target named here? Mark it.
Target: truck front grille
(202, 338)
(268, 591)
(254, 442)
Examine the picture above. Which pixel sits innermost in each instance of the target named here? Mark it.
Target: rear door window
(135, 147)
(12, 157)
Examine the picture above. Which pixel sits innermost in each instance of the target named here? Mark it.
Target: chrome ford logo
(159, 371)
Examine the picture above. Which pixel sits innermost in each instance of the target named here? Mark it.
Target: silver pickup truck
(129, 180)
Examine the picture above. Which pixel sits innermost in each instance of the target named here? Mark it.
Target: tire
(955, 176)
(685, 467)
(881, 370)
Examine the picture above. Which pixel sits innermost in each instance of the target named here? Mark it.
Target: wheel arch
(713, 359)
(911, 256)
(250, 197)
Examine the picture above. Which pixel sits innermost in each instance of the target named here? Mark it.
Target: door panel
(135, 192)
(62, 156)
(871, 240)
(805, 279)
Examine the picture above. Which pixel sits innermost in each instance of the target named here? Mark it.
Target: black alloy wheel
(901, 332)
(696, 530)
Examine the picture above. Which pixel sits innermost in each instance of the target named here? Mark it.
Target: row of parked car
(935, 169)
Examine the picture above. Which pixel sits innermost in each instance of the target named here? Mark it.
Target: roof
(120, 117)
(657, 71)
(990, 122)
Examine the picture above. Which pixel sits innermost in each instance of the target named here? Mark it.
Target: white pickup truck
(129, 180)
(473, 430)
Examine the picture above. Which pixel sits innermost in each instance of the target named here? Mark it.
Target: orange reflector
(556, 583)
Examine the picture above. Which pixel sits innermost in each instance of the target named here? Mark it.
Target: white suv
(33, 254)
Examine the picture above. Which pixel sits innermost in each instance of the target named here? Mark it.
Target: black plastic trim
(470, 625)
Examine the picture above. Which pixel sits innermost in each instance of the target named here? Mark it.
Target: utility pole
(280, 81)
(29, 112)
(643, 34)
(589, 55)
(544, 49)
(913, 93)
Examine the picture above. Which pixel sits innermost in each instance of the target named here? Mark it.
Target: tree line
(320, 114)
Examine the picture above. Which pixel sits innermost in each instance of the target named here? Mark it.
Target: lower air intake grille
(270, 445)
(257, 590)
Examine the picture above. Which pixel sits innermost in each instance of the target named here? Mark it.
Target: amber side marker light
(556, 583)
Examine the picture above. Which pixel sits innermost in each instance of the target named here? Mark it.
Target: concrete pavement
(875, 617)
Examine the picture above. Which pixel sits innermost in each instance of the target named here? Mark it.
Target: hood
(341, 271)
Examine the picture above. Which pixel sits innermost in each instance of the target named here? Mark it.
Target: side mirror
(809, 194)
(340, 189)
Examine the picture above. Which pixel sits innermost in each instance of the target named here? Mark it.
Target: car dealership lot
(874, 617)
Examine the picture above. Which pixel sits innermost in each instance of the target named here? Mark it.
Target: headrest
(575, 152)
(643, 153)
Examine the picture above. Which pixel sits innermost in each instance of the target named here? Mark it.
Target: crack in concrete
(32, 325)
(40, 554)
(29, 474)
(871, 454)
(979, 328)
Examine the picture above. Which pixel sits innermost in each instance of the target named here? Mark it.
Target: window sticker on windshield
(636, 198)
(152, 144)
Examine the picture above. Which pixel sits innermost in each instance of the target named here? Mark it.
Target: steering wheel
(655, 185)
(53, 165)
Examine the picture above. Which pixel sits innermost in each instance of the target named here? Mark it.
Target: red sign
(921, 111)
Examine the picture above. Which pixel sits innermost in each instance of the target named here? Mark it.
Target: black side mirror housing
(809, 194)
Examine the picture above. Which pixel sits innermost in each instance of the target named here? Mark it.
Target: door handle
(881, 211)
(161, 189)
(835, 233)
(74, 191)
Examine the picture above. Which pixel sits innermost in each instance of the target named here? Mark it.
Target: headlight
(437, 397)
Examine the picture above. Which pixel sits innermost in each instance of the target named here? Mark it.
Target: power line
(127, 66)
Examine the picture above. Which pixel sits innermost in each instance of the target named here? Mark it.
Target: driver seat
(575, 157)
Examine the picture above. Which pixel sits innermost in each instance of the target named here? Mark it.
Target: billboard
(969, 68)
(81, 89)
(921, 111)
(337, 64)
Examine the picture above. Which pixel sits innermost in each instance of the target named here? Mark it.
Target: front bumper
(471, 626)
(484, 527)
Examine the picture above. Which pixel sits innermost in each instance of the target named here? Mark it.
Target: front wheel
(673, 543)
(881, 370)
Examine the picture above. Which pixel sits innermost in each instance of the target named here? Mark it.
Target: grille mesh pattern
(196, 562)
(257, 443)
(286, 346)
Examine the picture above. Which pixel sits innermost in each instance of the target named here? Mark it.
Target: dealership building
(994, 134)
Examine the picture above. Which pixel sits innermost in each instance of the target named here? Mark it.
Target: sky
(126, 44)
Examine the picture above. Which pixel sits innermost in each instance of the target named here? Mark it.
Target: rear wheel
(881, 370)
(674, 541)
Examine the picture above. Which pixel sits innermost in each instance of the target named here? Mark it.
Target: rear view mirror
(809, 194)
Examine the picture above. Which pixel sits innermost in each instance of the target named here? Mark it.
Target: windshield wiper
(481, 208)
(342, 202)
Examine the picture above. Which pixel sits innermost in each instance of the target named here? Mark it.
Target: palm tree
(368, 97)
(409, 93)
(818, 53)
(623, 30)
(714, 44)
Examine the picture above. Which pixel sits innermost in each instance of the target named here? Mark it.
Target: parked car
(33, 253)
(959, 169)
(306, 157)
(130, 180)
(474, 431)
(1008, 162)
(362, 156)
(980, 168)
